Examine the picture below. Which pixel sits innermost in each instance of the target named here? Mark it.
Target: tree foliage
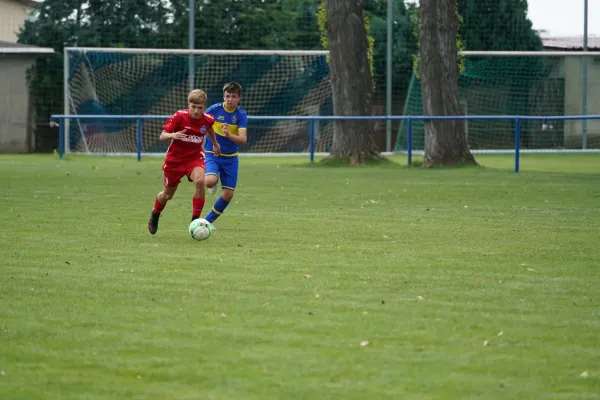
(497, 25)
(404, 42)
(223, 24)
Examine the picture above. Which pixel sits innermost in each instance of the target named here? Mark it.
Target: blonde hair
(197, 96)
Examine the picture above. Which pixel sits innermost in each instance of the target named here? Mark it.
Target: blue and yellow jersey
(235, 119)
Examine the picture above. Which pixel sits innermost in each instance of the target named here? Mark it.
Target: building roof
(18, 48)
(574, 43)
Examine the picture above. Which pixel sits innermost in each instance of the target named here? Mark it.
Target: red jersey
(183, 150)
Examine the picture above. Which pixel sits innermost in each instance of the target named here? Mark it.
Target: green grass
(466, 283)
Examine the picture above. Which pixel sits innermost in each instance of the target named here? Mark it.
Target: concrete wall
(574, 101)
(16, 128)
(12, 16)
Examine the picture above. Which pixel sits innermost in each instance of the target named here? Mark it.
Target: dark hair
(233, 87)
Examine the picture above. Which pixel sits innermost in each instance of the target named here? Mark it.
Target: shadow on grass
(383, 162)
(340, 162)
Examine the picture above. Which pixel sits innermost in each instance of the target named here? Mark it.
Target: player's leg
(171, 181)
(198, 199)
(213, 189)
(211, 176)
(229, 174)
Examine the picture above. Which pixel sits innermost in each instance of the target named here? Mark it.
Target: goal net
(155, 82)
(523, 84)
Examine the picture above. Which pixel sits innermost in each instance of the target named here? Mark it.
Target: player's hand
(179, 135)
(216, 149)
(226, 130)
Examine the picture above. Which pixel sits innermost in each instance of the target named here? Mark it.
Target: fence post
(311, 131)
(517, 143)
(61, 137)
(139, 139)
(409, 140)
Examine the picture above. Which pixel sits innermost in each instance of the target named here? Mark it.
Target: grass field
(320, 283)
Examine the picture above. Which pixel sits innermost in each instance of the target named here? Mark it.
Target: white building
(16, 109)
(570, 70)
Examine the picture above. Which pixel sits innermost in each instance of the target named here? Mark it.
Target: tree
(353, 140)
(60, 23)
(497, 25)
(445, 140)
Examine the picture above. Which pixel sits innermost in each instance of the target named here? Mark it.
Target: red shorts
(173, 172)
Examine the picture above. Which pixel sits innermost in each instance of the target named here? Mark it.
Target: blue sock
(217, 210)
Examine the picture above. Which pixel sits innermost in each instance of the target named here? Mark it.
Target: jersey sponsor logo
(187, 127)
(193, 139)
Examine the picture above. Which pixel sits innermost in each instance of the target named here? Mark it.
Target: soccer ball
(200, 229)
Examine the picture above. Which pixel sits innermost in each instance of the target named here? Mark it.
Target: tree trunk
(445, 140)
(351, 81)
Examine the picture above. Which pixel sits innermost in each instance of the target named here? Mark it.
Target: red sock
(197, 206)
(158, 207)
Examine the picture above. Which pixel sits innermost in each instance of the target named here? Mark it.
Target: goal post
(523, 83)
(144, 82)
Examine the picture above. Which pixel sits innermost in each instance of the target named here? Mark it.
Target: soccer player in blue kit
(230, 129)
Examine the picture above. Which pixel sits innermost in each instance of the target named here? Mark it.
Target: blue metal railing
(312, 126)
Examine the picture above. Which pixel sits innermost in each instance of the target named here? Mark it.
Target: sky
(562, 17)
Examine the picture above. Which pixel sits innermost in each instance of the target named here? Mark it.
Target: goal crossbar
(321, 52)
(201, 51)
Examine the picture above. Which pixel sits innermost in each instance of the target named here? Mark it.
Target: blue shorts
(226, 168)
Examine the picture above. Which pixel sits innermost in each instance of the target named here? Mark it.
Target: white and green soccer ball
(200, 229)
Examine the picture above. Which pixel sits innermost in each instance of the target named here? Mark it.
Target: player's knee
(199, 181)
(210, 180)
(227, 194)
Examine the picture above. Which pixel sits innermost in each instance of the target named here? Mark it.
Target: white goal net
(155, 82)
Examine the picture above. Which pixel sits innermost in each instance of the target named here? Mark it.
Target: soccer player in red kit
(186, 130)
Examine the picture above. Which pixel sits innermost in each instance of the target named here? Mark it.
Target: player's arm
(168, 132)
(213, 138)
(165, 136)
(240, 138)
